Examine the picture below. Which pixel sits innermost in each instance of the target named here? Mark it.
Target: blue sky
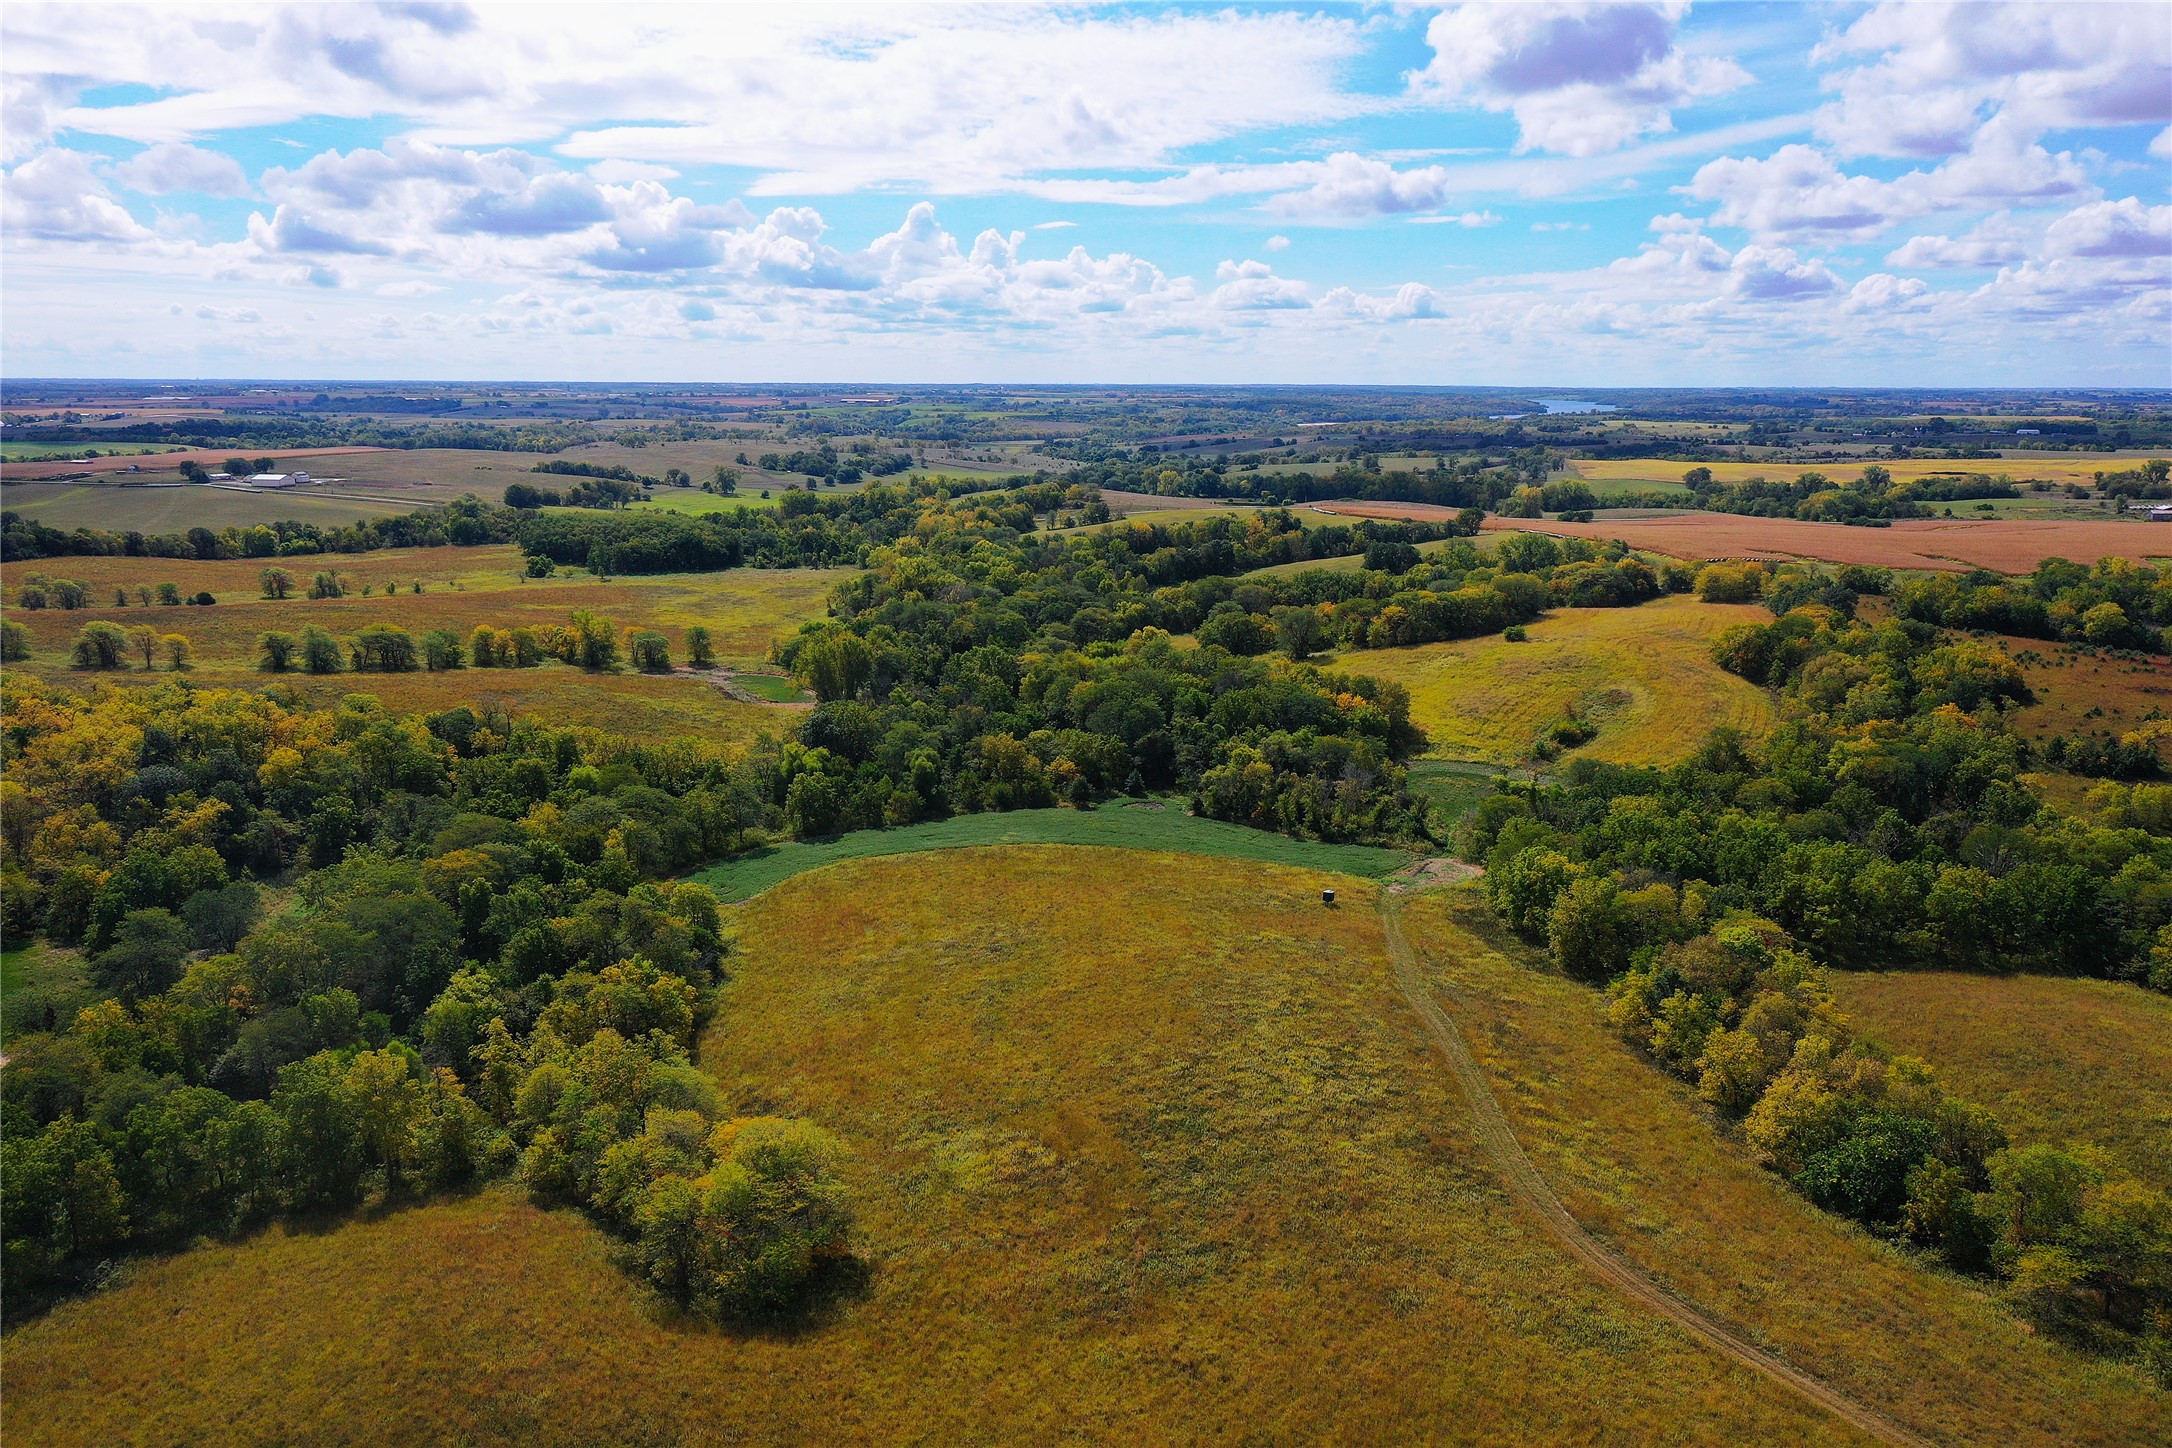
(1604, 194)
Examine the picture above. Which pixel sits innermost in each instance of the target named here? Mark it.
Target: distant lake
(1558, 404)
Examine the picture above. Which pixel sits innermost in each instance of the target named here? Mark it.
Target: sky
(1551, 194)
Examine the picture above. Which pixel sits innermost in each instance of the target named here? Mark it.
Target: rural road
(1529, 1189)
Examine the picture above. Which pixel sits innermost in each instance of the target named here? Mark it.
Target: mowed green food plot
(745, 610)
(1160, 825)
(1644, 676)
(2056, 1060)
(1142, 1151)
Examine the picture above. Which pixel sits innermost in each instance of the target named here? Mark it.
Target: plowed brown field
(2004, 545)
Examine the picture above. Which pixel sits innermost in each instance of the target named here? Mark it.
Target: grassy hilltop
(1146, 1148)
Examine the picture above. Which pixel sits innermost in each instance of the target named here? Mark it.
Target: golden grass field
(1640, 1162)
(2057, 1060)
(2064, 467)
(1141, 1154)
(1645, 676)
(744, 610)
(2088, 693)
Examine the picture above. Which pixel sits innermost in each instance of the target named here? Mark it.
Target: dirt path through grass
(1527, 1188)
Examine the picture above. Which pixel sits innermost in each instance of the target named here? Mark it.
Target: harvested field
(166, 461)
(1942, 544)
(2059, 468)
(176, 508)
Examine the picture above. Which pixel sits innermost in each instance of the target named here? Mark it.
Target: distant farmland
(1940, 544)
(2057, 468)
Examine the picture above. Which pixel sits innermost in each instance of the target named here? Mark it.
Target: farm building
(278, 480)
(2160, 515)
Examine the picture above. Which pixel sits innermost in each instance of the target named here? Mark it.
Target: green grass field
(1644, 675)
(775, 688)
(1133, 825)
(1450, 790)
(39, 980)
(2056, 1060)
(1139, 1154)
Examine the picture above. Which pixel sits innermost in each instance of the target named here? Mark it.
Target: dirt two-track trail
(1529, 1190)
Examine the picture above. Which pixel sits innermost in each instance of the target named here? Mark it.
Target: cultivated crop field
(743, 609)
(165, 465)
(1140, 1154)
(2064, 467)
(1940, 544)
(120, 508)
(2056, 1060)
(1644, 675)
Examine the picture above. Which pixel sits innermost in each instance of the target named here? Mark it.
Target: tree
(650, 651)
(14, 642)
(218, 919)
(327, 584)
(773, 1212)
(179, 654)
(320, 651)
(277, 652)
(144, 640)
(727, 481)
(700, 651)
(668, 1234)
(836, 666)
(320, 1131)
(100, 645)
(64, 1197)
(1300, 631)
(441, 651)
(388, 1101)
(146, 955)
(594, 642)
(277, 582)
(168, 595)
(238, 467)
(384, 648)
